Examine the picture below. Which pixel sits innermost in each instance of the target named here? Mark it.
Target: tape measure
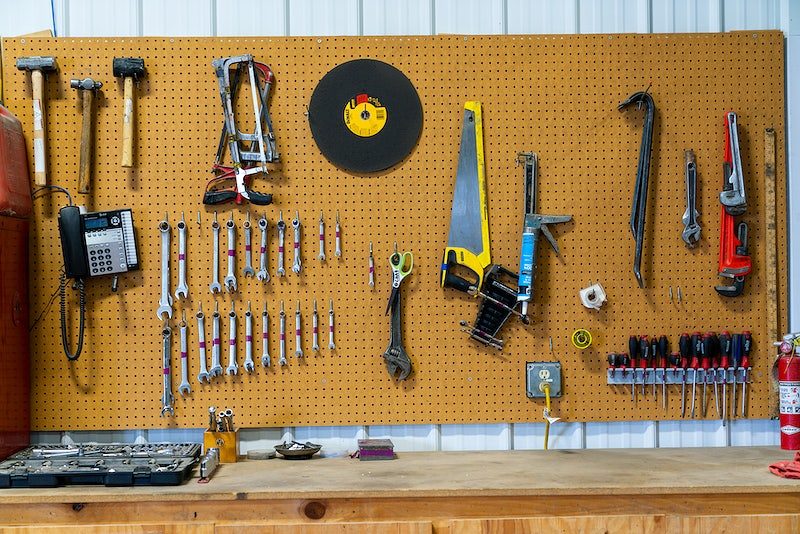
(581, 338)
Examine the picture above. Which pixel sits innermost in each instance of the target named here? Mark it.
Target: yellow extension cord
(546, 389)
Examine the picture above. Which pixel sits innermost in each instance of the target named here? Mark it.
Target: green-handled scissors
(401, 263)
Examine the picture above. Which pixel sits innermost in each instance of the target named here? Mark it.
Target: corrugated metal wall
(87, 18)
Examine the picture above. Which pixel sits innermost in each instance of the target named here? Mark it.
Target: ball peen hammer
(130, 69)
(38, 66)
(87, 86)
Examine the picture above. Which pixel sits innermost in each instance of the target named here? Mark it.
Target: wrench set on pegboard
(553, 95)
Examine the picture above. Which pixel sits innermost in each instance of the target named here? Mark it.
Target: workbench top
(452, 474)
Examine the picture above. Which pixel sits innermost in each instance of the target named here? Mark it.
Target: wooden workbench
(643, 490)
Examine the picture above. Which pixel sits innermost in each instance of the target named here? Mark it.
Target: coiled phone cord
(62, 288)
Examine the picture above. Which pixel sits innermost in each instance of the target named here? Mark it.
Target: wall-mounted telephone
(93, 244)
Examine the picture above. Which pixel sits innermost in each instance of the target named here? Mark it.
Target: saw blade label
(364, 115)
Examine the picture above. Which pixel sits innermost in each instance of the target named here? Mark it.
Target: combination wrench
(182, 291)
(166, 396)
(331, 344)
(203, 375)
(248, 270)
(338, 252)
(315, 326)
(321, 256)
(215, 286)
(165, 304)
(281, 240)
(249, 366)
(216, 367)
(297, 265)
(233, 367)
(298, 341)
(265, 359)
(263, 273)
(691, 230)
(230, 279)
(184, 389)
(282, 343)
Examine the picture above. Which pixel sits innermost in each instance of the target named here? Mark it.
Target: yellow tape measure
(581, 338)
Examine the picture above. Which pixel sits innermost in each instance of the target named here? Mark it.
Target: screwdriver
(663, 351)
(644, 360)
(623, 361)
(714, 358)
(685, 346)
(654, 361)
(674, 363)
(633, 349)
(696, 350)
(747, 344)
(705, 363)
(736, 361)
(612, 365)
(725, 351)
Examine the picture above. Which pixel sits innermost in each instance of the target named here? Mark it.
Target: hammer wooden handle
(127, 124)
(39, 153)
(84, 173)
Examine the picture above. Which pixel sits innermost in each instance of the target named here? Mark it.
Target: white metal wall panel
(542, 16)
(259, 438)
(756, 432)
(614, 16)
(89, 18)
(251, 17)
(692, 434)
(390, 17)
(624, 435)
(686, 16)
(324, 17)
(470, 16)
(562, 436)
(334, 440)
(177, 18)
(15, 21)
(476, 437)
(751, 14)
(408, 437)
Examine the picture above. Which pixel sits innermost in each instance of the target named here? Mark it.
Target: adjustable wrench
(282, 345)
(165, 304)
(281, 239)
(233, 367)
(338, 252)
(691, 230)
(203, 375)
(215, 287)
(265, 359)
(262, 273)
(733, 195)
(184, 389)
(166, 397)
(216, 367)
(249, 366)
(331, 344)
(230, 279)
(248, 249)
(182, 290)
(296, 227)
(321, 237)
(315, 325)
(298, 349)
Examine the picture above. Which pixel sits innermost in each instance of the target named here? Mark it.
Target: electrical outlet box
(539, 373)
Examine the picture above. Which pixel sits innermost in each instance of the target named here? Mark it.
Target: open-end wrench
(230, 279)
(371, 267)
(182, 291)
(203, 375)
(297, 265)
(184, 389)
(691, 230)
(321, 256)
(165, 304)
(298, 341)
(233, 367)
(338, 252)
(281, 240)
(216, 366)
(215, 286)
(166, 397)
(249, 366)
(315, 326)
(248, 249)
(265, 359)
(282, 344)
(331, 344)
(263, 273)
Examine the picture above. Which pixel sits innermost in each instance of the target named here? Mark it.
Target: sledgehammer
(130, 69)
(38, 66)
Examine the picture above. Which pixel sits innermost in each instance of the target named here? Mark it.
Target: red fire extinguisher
(789, 392)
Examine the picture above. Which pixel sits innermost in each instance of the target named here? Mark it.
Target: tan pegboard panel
(556, 95)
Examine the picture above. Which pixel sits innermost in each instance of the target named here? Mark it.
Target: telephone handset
(93, 244)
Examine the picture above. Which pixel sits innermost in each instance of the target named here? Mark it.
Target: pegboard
(556, 95)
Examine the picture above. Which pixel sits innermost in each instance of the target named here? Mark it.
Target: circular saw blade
(365, 116)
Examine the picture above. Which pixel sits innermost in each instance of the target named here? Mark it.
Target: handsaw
(468, 242)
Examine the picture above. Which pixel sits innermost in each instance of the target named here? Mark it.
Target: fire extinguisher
(788, 365)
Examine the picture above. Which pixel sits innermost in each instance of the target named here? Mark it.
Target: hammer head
(128, 67)
(87, 84)
(42, 63)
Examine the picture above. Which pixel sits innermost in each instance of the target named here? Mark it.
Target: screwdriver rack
(639, 376)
